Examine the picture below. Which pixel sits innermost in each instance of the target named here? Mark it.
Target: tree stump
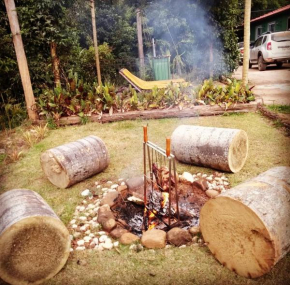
(219, 148)
(70, 163)
(34, 243)
(248, 227)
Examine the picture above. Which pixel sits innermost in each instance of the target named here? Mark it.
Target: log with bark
(219, 148)
(34, 243)
(248, 227)
(70, 163)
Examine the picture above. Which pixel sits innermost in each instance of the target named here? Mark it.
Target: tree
(96, 41)
(21, 59)
(247, 19)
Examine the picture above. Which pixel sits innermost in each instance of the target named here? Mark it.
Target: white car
(270, 48)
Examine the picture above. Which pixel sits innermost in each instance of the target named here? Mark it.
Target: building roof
(282, 9)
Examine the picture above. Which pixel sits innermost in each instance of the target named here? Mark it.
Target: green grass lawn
(268, 147)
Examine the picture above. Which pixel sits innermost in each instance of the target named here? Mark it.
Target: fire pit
(160, 200)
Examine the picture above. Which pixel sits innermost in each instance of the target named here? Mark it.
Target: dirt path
(271, 85)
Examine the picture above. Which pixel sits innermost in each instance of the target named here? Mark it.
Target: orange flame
(165, 197)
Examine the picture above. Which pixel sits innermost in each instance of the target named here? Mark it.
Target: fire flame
(165, 197)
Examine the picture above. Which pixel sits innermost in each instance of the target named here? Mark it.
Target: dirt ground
(272, 86)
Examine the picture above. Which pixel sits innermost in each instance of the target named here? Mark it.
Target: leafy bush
(224, 95)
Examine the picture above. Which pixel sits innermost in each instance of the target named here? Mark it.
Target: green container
(161, 68)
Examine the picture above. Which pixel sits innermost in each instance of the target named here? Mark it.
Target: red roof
(271, 13)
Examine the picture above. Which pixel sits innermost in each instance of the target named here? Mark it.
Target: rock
(82, 208)
(194, 230)
(80, 248)
(83, 218)
(74, 226)
(72, 221)
(195, 239)
(135, 182)
(76, 235)
(186, 177)
(116, 244)
(178, 236)
(154, 239)
(201, 183)
(117, 232)
(110, 198)
(114, 186)
(135, 200)
(123, 183)
(122, 187)
(80, 242)
(106, 218)
(86, 193)
(87, 239)
(183, 246)
(96, 241)
(128, 238)
(103, 238)
(108, 246)
(211, 193)
(87, 232)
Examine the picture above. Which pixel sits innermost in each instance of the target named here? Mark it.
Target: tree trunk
(140, 43)
(247, 19)
(68, 164)
(96, 41)
(219, 148)
(248, 227)
(55, 64)
(21, 59)
(34, 243)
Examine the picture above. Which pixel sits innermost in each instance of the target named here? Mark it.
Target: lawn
(268, 147)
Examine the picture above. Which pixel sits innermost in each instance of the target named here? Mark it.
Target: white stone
(76, 235)
(99, 247)
(96, 209)
(103, 238)
(86, 193)
(114, 186)
(91, 235)
(198, 174)
(112, 190)
(226, 183)
(123, 183)
(183, 246)
(82, 218)
(101, 233)
(120, 179)
(96, 240)
(85, 202)
(71, 249)
(80, 242)
(91, 206)
(109, 182)
(87, 238)
(74, 226)
(82, 208)
(116, 244)
(187, 177)
(107, 245)
(80, 248)
(96, 183)
(78, 207)
(223, 191)
(168, 246)
(72, 222)
(95, 225)
(83, 228)
(99, 186)
(87, 232)
(71, 237)
(209, 178)
(92, 244)
(204, 175)
(105, 189)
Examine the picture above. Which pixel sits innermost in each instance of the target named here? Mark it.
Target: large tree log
(219, 148)
(34, 243)
(248, 227)
(196, 111)
(70, 163)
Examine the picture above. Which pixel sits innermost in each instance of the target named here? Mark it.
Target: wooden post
(21, 59)
(140, 43)
(247, 23)
(96, 41)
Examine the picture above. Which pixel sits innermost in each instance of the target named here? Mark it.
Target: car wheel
(279, 64)
(261, 65)
(250, 64)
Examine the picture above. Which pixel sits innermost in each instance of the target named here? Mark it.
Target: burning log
(219, 148)
(248, 228)
(68, 164)
(34, 243)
